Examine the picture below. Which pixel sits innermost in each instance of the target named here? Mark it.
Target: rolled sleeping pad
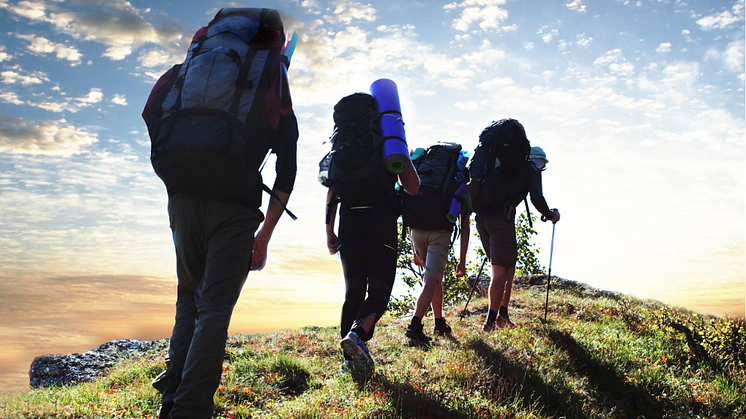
(395, 150)
(460, 195)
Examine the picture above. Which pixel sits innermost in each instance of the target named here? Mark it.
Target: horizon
(640, 107)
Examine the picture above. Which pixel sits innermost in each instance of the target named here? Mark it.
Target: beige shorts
(431, 247)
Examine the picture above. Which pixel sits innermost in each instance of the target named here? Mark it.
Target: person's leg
(500, 236)
(191, 249)
(352, 253)
(382, 244)
(229, 231)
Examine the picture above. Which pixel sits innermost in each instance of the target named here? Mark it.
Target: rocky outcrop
(65, 369)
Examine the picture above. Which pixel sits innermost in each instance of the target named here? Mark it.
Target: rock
(66, 369)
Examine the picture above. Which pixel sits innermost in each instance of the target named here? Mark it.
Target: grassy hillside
(597, 356)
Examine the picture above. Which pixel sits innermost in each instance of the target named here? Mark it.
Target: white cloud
(347, 11)
(16, 76)
(94, 96)
(10, 97)
(40, 45)
(119, 100)
(114, 23)
(155, 58)
(72, 105)
(486, 13)
(723, 19)
(4, 56)
(734, 56)
(50, 137)
(583, 41)
(546, 34)
(663, 48)
(615, 63)
(576, 5)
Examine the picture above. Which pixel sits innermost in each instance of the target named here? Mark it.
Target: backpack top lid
(245, 22)
(353, 107)
(502, 147)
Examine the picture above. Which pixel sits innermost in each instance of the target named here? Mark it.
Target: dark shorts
(498, 240)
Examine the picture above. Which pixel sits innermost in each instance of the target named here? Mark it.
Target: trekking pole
(549, 277)
(476, 281)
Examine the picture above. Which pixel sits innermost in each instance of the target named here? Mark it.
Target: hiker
(443, 178)
(367, 246)
(364, 190)
(214, 214)
(497, 234)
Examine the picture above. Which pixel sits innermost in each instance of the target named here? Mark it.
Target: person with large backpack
(366, 240)
(212, 120)
(431, 216)
(504, 169)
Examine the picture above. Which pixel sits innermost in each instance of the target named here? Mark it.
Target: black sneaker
(416, 335)
(441, 327)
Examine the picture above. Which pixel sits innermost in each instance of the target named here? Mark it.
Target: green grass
(595, 357)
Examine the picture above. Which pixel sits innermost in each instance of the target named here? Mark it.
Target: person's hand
(259, 256)
(461, 269)
(555, 215)
(332, 242)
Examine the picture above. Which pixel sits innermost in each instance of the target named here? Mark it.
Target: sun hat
(538, 153)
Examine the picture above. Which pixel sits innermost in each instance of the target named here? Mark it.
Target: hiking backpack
(211, 119)
(442, 170)
(354, 168)
(502, 148)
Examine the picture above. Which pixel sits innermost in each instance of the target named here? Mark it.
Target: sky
(639, 106)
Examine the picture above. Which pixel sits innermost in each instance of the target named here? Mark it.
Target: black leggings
(368, 248)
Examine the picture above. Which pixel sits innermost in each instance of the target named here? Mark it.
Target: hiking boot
(415, 333)
(357, 352)
(488, 327)
(503, 322)
(441, 327)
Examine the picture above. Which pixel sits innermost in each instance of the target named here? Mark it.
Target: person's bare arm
(410, 180)
(261, 241)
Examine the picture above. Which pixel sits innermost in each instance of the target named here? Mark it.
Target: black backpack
(212, 118)
(442, 170)
(354, 168)
(502, 149)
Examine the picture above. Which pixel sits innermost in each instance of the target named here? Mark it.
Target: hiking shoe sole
(359, 360)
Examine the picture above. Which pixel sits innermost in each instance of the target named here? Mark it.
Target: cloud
(615, 64)
(16, 76)
(723, 19)
(114, 23)
(4, 56)
(734, 56)
(50, 137)
(10, 97)
(486, 13)
(347, 12)
(663, 48)
(74, 105)
(39, 45)
(576, 5)
(119, 100)
(545, 35)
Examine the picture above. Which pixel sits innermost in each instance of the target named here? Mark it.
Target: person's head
(539, 157)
